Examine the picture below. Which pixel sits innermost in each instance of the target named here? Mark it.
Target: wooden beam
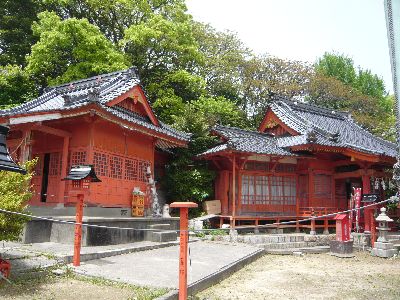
(54, 131)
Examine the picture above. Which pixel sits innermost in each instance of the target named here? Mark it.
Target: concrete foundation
(341, 248)
(37, 231)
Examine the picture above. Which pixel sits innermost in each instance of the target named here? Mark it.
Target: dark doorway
(45, 177)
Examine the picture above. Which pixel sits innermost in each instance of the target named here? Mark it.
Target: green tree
(159, 47)
(16, 36)
(15, 86)
(15, 191)
(113, 17)
(225, 56)
(338, 66)
(69, 50)
(264, 76)
(336, 84)
(188, 178)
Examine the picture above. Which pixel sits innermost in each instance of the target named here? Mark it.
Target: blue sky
(305, 29)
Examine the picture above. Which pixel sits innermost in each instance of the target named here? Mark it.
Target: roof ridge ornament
(67, 99)
(334, 137)
(94, 95)
(133, 72)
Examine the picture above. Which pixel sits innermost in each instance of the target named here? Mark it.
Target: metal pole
(392, 14)
(78, 231)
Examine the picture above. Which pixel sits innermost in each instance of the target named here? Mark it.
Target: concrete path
(27, 257)
(159, 267)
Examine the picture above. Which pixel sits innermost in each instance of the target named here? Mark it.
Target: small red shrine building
(302, 160)
(106, 121)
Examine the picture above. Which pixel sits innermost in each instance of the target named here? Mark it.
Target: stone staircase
(394, 237)
(289, 243)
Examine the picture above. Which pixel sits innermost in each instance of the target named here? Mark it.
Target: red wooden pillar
(183, 244)
(368, 212)
(64, 166)
(311, 176)
(234, 189)
(78, 231)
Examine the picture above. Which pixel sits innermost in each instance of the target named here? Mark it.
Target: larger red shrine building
(303, 160)
(106, 121)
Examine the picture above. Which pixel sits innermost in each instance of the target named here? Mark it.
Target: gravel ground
(319, 276)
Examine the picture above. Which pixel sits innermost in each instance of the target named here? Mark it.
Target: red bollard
(78, 231)
(5, 268)
(183, 244)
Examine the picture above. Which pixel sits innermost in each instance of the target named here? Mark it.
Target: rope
(393, 199)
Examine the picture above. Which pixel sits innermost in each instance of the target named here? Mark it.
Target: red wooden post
(366, 189)
(373, 229)
(183, 244)
(78, 231)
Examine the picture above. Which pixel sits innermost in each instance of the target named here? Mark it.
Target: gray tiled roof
(315, 125)
(98, 89)
(326, 123)
(241, 140)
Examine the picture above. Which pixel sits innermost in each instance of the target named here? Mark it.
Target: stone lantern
(382, 247)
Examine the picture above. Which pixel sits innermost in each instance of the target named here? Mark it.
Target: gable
(273, 125)
(135, 100)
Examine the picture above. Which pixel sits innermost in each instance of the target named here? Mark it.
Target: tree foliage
(16, 36)
(69, 50)
(15, 86)
(337, 84)
(15, 191)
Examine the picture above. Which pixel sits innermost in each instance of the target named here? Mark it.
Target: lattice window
(116, 167)
(78, 158)
(268, 190)
(142, 167)
(55, 164)
(131, 169)
(101, 164)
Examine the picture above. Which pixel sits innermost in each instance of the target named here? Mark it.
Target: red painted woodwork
(342, 227)
(120, 158)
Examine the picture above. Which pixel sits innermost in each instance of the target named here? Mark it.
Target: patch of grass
(30, 286)
(139, 292)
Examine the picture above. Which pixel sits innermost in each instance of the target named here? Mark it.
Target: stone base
(339, 247)
(385, 250)
(164, 236)
(383, 246)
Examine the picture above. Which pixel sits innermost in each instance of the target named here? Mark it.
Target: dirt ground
(71, 287)
(311, 276)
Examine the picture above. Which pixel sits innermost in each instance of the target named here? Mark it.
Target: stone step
(297, 251)
(291, 245)
(269, 239)
(164, 236)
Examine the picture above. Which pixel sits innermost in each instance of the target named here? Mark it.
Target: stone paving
(26, 257)
(159, 267)
(156, 268)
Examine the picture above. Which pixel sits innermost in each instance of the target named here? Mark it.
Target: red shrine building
(303, 160)
(105, 121)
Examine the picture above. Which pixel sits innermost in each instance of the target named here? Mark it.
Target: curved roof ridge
(305, 122)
